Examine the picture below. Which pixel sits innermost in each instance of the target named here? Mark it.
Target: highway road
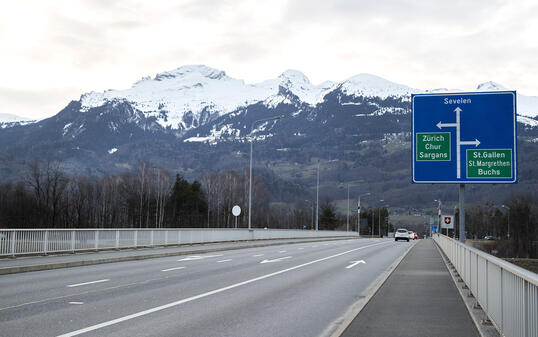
(288, 290)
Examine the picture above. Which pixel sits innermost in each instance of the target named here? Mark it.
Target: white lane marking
(86, 283)
(198, 257)
(314, 246)
(276, 260)
(281, 251)
(257, 255)
(325, 244)
(300, 248)
(224, 260)
(354, 263)
(209, 293)
(76, 303)
(170, 269)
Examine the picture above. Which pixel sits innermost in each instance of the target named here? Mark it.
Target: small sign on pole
(447, 221)
(236, 210)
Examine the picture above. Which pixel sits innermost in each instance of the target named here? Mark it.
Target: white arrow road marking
(276, 260)
(354, 263)
(224, 260)
(206, 294)
(475, 142)
(197, 257)
(170, 269)
(86, 283)
(76, 303)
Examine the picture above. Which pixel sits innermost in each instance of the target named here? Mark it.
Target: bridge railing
(15, 242)
(507, 293)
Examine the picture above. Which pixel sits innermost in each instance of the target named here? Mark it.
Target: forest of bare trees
(146, 197)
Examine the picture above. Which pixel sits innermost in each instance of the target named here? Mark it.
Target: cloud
(85, 45)
(15, 101)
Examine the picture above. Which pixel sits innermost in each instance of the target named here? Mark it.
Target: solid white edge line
(209, 293)
(86, 283)
(224, 260)
(175, 268)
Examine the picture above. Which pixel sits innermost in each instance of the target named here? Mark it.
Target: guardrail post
(73, 242)
(526, 308)
(45, 242)
(96, 239)
(151, 238)
(166, 238)
(135, 238)
(117, 239)
(13, 240)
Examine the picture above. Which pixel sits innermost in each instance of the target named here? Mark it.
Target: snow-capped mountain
(196, 118)
(189, 96)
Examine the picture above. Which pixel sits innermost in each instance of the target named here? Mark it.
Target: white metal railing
(15, 242)
(507, 293)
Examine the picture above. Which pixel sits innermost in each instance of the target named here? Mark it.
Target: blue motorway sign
(464, 138)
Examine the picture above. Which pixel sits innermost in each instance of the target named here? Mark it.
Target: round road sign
(236, 210)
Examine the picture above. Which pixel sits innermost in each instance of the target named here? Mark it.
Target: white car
(401, 234)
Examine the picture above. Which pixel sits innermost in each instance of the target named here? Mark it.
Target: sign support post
(236, 210)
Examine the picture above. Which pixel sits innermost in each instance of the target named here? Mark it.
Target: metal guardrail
(507, 293)
(15, 242)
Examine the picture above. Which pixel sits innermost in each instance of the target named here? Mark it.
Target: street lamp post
(359, 211)
(454, 228)
(387, 207)
(250, 175)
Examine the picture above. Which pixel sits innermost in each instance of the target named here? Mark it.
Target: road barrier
(507, 293)
(15, 242)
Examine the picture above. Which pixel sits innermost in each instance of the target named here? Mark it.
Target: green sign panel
(491, 163)
(433, 146)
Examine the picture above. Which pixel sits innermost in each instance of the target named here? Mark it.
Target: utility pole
(250, 175)
(347, 228)
(317, 200)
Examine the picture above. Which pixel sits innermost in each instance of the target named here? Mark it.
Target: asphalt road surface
(289, 290)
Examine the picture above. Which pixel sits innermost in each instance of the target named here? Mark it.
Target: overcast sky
(53, 51)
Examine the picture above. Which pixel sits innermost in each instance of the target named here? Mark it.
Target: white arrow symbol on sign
(459, 142)
(475, 142)
(354, 263)
(446, 125)
(276, 260)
